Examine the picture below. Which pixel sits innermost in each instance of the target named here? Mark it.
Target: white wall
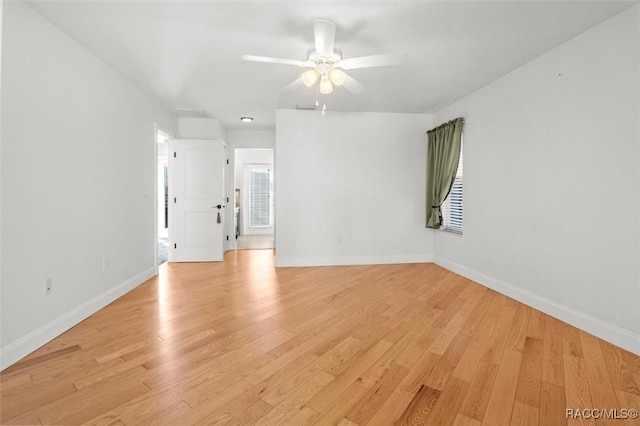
(552, 171)
(1, 155)
(243, 158)
(350, 188)
(252, 139)
(78, 171)
(201, 128)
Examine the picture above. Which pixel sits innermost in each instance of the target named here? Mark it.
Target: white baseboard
(351, 260)
(24, 346)
(609, 332)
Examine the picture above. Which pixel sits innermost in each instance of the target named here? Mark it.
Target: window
(260, 197)
(452, 206)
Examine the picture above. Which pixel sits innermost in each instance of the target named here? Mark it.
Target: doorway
(254, 202)
(162, 197)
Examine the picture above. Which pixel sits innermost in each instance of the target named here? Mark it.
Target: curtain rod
(447, 123)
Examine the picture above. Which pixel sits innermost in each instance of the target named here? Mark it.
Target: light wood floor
(243, 343)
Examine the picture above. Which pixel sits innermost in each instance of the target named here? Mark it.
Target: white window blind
(452, 206)
(260, 197)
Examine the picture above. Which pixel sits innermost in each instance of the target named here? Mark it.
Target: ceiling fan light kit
(325, 85)
(326, 64)
(309, 77)
(337, 76)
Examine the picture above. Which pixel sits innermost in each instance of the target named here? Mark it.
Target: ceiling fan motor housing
(316, 58)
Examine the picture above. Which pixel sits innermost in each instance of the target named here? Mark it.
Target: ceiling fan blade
(353, 85)
(275, 60)
(325, 35)
(373, 61)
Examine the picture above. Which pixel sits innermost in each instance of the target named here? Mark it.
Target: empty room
(332, 213)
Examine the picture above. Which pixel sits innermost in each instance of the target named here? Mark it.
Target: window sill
(453, 231)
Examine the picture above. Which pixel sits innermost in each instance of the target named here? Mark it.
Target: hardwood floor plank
(415, 341)
(284, 359)
(475, 404)
(413, 381)
(600, 383)
(296, 398)
(496, 343)
(478, 346)
(448, 405)
(552, 361)
(210, 402)
(629, 401)
(341, 405)
(438, 376)
(243, 342)
(34, 361)
(518, 329)
(389, 412)
(529, 379)
(138, 410)
(95, 399)
(462, 420)
(249, 415)
(375, 397)
(503, 394)
(535, 324)
(577, 392)
(420, 407)
(14, 381)
(236, 407)
(23, 400)
(97, 403)
(621, 377)
(524, 414)
(305, 416)
(326, 396)
(552, 405)
(282, 381)
(165, 415)
(571, 341)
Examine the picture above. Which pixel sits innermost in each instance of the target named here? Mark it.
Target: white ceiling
(187, 54)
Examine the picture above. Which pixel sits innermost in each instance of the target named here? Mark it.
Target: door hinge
(174, 200)
(174, 155)
(227, 161)
(227, 238)
(175, 246)
(227, 199)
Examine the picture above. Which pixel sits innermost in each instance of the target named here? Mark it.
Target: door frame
(156, 129)
(233, 184)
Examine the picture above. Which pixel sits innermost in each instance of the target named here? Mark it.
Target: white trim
(156, 129)
(351, 260)
(20, 348)
(611, 333)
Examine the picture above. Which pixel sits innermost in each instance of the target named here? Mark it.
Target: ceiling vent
(191, 113)
(307, 107)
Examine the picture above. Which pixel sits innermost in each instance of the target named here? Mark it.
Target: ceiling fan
(326, 64)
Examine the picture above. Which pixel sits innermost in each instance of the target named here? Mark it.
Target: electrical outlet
(48, 286)
(106, 264)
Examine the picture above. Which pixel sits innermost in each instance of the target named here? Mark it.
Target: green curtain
(442, 165)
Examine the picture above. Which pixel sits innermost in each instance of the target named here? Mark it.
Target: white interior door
(196, 173)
